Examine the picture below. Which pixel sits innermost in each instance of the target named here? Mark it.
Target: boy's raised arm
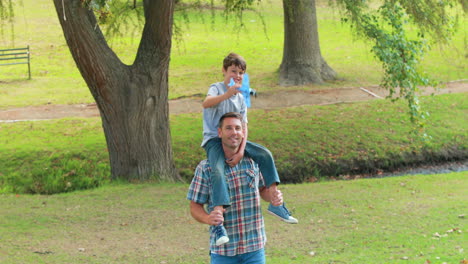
(211, 100)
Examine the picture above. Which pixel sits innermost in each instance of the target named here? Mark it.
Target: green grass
(389, 220)
(308, 141)
(196, 61)
(50, 157)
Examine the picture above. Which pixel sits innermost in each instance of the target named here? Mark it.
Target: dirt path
(262, 101)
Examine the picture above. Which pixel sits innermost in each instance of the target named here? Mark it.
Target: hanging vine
(386, 27)
(6, 17)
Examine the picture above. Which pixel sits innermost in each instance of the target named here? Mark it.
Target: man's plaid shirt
(243, 219)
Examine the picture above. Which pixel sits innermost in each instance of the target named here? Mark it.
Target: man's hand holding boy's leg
(276, 196)
(216, 216)
(216, 219)
(277, 207)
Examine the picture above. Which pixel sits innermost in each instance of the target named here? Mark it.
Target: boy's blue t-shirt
(212, 115)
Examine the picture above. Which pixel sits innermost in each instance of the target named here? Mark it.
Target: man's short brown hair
(229, 115)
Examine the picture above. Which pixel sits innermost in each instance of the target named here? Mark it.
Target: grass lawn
(410, 219)
(334, 140)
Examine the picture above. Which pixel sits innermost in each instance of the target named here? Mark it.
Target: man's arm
(198, 213)
(275, 199)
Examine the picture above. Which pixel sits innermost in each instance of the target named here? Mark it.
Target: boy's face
(234, 72)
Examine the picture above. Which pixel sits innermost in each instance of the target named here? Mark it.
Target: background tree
(132, 99)
(302, 59)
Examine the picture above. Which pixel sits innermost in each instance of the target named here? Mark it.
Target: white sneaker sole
(222, 240)
(291, 219)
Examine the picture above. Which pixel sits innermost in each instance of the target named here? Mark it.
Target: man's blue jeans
(261, 155)
(256, 257)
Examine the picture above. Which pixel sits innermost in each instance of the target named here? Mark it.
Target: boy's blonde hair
(236, 60)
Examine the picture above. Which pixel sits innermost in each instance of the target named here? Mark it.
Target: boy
(221, 99)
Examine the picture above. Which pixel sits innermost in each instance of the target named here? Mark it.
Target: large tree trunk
(132, 100)
(302, 60)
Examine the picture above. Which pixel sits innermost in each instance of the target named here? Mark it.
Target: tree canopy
(388, 27)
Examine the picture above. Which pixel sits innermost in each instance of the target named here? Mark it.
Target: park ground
(262, 101)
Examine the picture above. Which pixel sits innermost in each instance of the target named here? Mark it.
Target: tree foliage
(6, 16)
(6, 10)
(398, 48)
(125, 17)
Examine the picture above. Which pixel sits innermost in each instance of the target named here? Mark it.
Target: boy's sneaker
(283, 213)
(220, 235)
(253, 92)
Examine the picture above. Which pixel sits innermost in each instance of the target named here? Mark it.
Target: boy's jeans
(261, 155)
(256, 257)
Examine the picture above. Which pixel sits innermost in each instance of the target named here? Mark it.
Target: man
(242, 220)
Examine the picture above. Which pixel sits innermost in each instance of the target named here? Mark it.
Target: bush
(54, 173)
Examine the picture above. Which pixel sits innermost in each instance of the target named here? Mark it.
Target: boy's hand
(233, 89)
(235, 159)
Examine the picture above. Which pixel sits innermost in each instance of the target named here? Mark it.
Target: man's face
(233, 72)
(231, 133)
